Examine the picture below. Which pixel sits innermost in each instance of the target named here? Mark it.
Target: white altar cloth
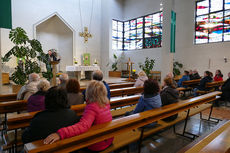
(81, 68)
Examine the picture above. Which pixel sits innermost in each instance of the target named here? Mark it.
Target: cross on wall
(85, 34)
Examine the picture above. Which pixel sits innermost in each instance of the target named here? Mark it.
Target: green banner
(173, 32)
(5, 14)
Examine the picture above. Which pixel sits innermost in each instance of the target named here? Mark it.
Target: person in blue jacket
(184, 78)
(150, 99)
(98, 75)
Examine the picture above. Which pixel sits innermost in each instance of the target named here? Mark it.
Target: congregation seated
(218, 76)
(30, 88)
(57, 114)
(98, 76)
(97, 111)
(185, 77)
(142, 77)
(36, 102)
(170, 75)
(207, 78)
(169, 95)
(194, 75)
(226, 89)
(73, 92)
(63, 80)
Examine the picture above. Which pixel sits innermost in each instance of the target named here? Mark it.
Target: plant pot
(16, 88)
(114, 74)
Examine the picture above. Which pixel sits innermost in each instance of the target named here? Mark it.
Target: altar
(75, 71)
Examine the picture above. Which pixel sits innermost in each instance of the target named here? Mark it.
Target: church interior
(109, 76)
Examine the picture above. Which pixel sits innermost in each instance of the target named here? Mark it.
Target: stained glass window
(212, 21)
(139, 33)
(117, 35)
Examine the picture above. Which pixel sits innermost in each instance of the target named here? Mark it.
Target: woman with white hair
(36, 102)
(142, 77)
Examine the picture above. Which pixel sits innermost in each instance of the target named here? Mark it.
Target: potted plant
(176, 68)
(147, 66)
(28, 53)
(114, 72)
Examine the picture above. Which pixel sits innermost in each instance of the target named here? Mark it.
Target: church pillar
(166, 56)
(0, 63)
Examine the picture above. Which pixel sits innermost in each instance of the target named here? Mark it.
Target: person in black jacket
(207, 78)
(226, 89)
(57, 114)
(195, 75)
(169, 95)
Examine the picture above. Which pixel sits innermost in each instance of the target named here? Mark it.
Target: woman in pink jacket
(97, 111)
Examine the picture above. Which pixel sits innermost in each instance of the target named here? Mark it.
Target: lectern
(54, 70)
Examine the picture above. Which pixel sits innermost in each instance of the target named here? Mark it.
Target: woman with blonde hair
(36, 102)
(97, 111)
(169, 95)
(142, 77)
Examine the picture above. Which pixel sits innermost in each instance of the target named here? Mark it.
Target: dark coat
(47, 122)
(226, 90)
(195, 76)
(169, 96)
(203, 83)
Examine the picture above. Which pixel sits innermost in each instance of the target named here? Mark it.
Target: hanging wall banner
(173, 32)
(5, 14)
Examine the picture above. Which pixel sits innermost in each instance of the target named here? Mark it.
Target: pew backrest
(104, 131)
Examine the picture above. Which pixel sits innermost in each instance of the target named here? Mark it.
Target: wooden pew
(217, 141)
(211, 86)
(126, 91)
(118, 127)
(191, 82)
(8, 97)
(22, 120)
(19, 121)
(13, 96)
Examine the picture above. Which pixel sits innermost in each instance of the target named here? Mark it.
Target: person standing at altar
(98, 76)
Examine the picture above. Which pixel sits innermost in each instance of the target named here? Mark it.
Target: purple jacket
(36, 102)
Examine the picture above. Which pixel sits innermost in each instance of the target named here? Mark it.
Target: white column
(0, 63)
(166, 56)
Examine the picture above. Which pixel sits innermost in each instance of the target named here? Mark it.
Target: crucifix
(85, 34)
(129, 68)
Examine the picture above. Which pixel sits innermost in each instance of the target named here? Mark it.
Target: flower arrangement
(75, 60)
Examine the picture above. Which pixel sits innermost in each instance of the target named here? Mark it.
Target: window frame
(143, 31)
(223, 10)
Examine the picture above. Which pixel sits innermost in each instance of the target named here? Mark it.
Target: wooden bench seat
(116, 127)
(191, 82)
(214, 142)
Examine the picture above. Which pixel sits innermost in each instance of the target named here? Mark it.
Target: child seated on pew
(149, 100)
(36, 102)
(97, 111)
(184, 78)
(207, 78)
(57, 114)
(169, 95)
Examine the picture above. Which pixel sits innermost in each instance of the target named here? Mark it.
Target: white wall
(111, 9)
(197, 56)
(25, 13)
(134, 9)
(54, 34)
